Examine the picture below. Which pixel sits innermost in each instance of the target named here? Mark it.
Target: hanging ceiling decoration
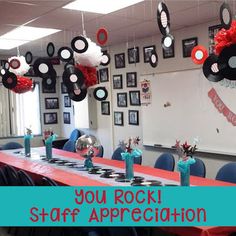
(100, 93)
(153, 60)
(221, 66)
(102, 36)
(50, 49)
(12, 75)
(163, 20)
(199, 54)
(225, 16)
(80, 70)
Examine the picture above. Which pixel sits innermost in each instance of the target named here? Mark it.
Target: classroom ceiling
(126, 25)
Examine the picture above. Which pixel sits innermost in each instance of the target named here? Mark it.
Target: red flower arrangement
(225, 38)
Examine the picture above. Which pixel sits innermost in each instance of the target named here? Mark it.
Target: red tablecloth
(71, 179)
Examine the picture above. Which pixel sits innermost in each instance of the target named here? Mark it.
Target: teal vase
(27, 145)
(129, 170)
(48, 150)
(185, 177)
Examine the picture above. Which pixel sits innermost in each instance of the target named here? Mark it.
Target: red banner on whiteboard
(221, 107)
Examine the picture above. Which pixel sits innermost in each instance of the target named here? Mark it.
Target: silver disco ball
(87, 145)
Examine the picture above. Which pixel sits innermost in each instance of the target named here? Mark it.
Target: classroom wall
(213, 161)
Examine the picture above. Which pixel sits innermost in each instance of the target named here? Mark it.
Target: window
(18, 112)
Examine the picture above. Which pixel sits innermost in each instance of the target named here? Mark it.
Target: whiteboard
(191, 114)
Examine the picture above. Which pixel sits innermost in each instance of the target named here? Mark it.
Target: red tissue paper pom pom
(90, 74)
(24, 85)
(225, 38)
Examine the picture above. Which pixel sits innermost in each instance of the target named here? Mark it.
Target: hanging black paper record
(50, 49)
(14, 63)
(225, 16)
(78, 96)
(42, 67)
(163, 18)
(167, 41)
(105, 59)
(9, 80)
(28, 57)
(73, 78)
(65, 54)
(211, 70)
(49, 81)
(79, 44)
(153, 60)
(227, 62)
(100, 93)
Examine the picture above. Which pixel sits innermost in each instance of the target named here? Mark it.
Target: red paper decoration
(225, 38)
(199, 54)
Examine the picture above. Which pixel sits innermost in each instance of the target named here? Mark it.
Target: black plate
(121, 180)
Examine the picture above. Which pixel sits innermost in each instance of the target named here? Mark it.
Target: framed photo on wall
(169, 52)
(117, 82)
(188, 45)
(51, 103)
(50, 118)
(133, 117)
(133, 55)
(134, 98)
(66, 117)
(103, 75)
(147, 51)
(122, 99)
(63, 88)
(212, 31)
(131, 79)
(118, 118)
(105, 108)
(67, 101)
(119, 60)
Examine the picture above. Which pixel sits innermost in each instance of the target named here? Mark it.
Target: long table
(66, 176)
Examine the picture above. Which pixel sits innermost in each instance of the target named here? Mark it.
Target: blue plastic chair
(25, 179)
(198, 168)
(100, 152)
(3, 178)
(69, 146)
(227, 173)
(117, 156)
(75, 134)
(11, 145)
(165, 161)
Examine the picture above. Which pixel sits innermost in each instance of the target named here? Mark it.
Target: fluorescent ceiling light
(100, 6)
(7, 44)
(24, 34)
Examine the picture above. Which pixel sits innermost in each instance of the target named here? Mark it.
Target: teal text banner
(118, 206)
